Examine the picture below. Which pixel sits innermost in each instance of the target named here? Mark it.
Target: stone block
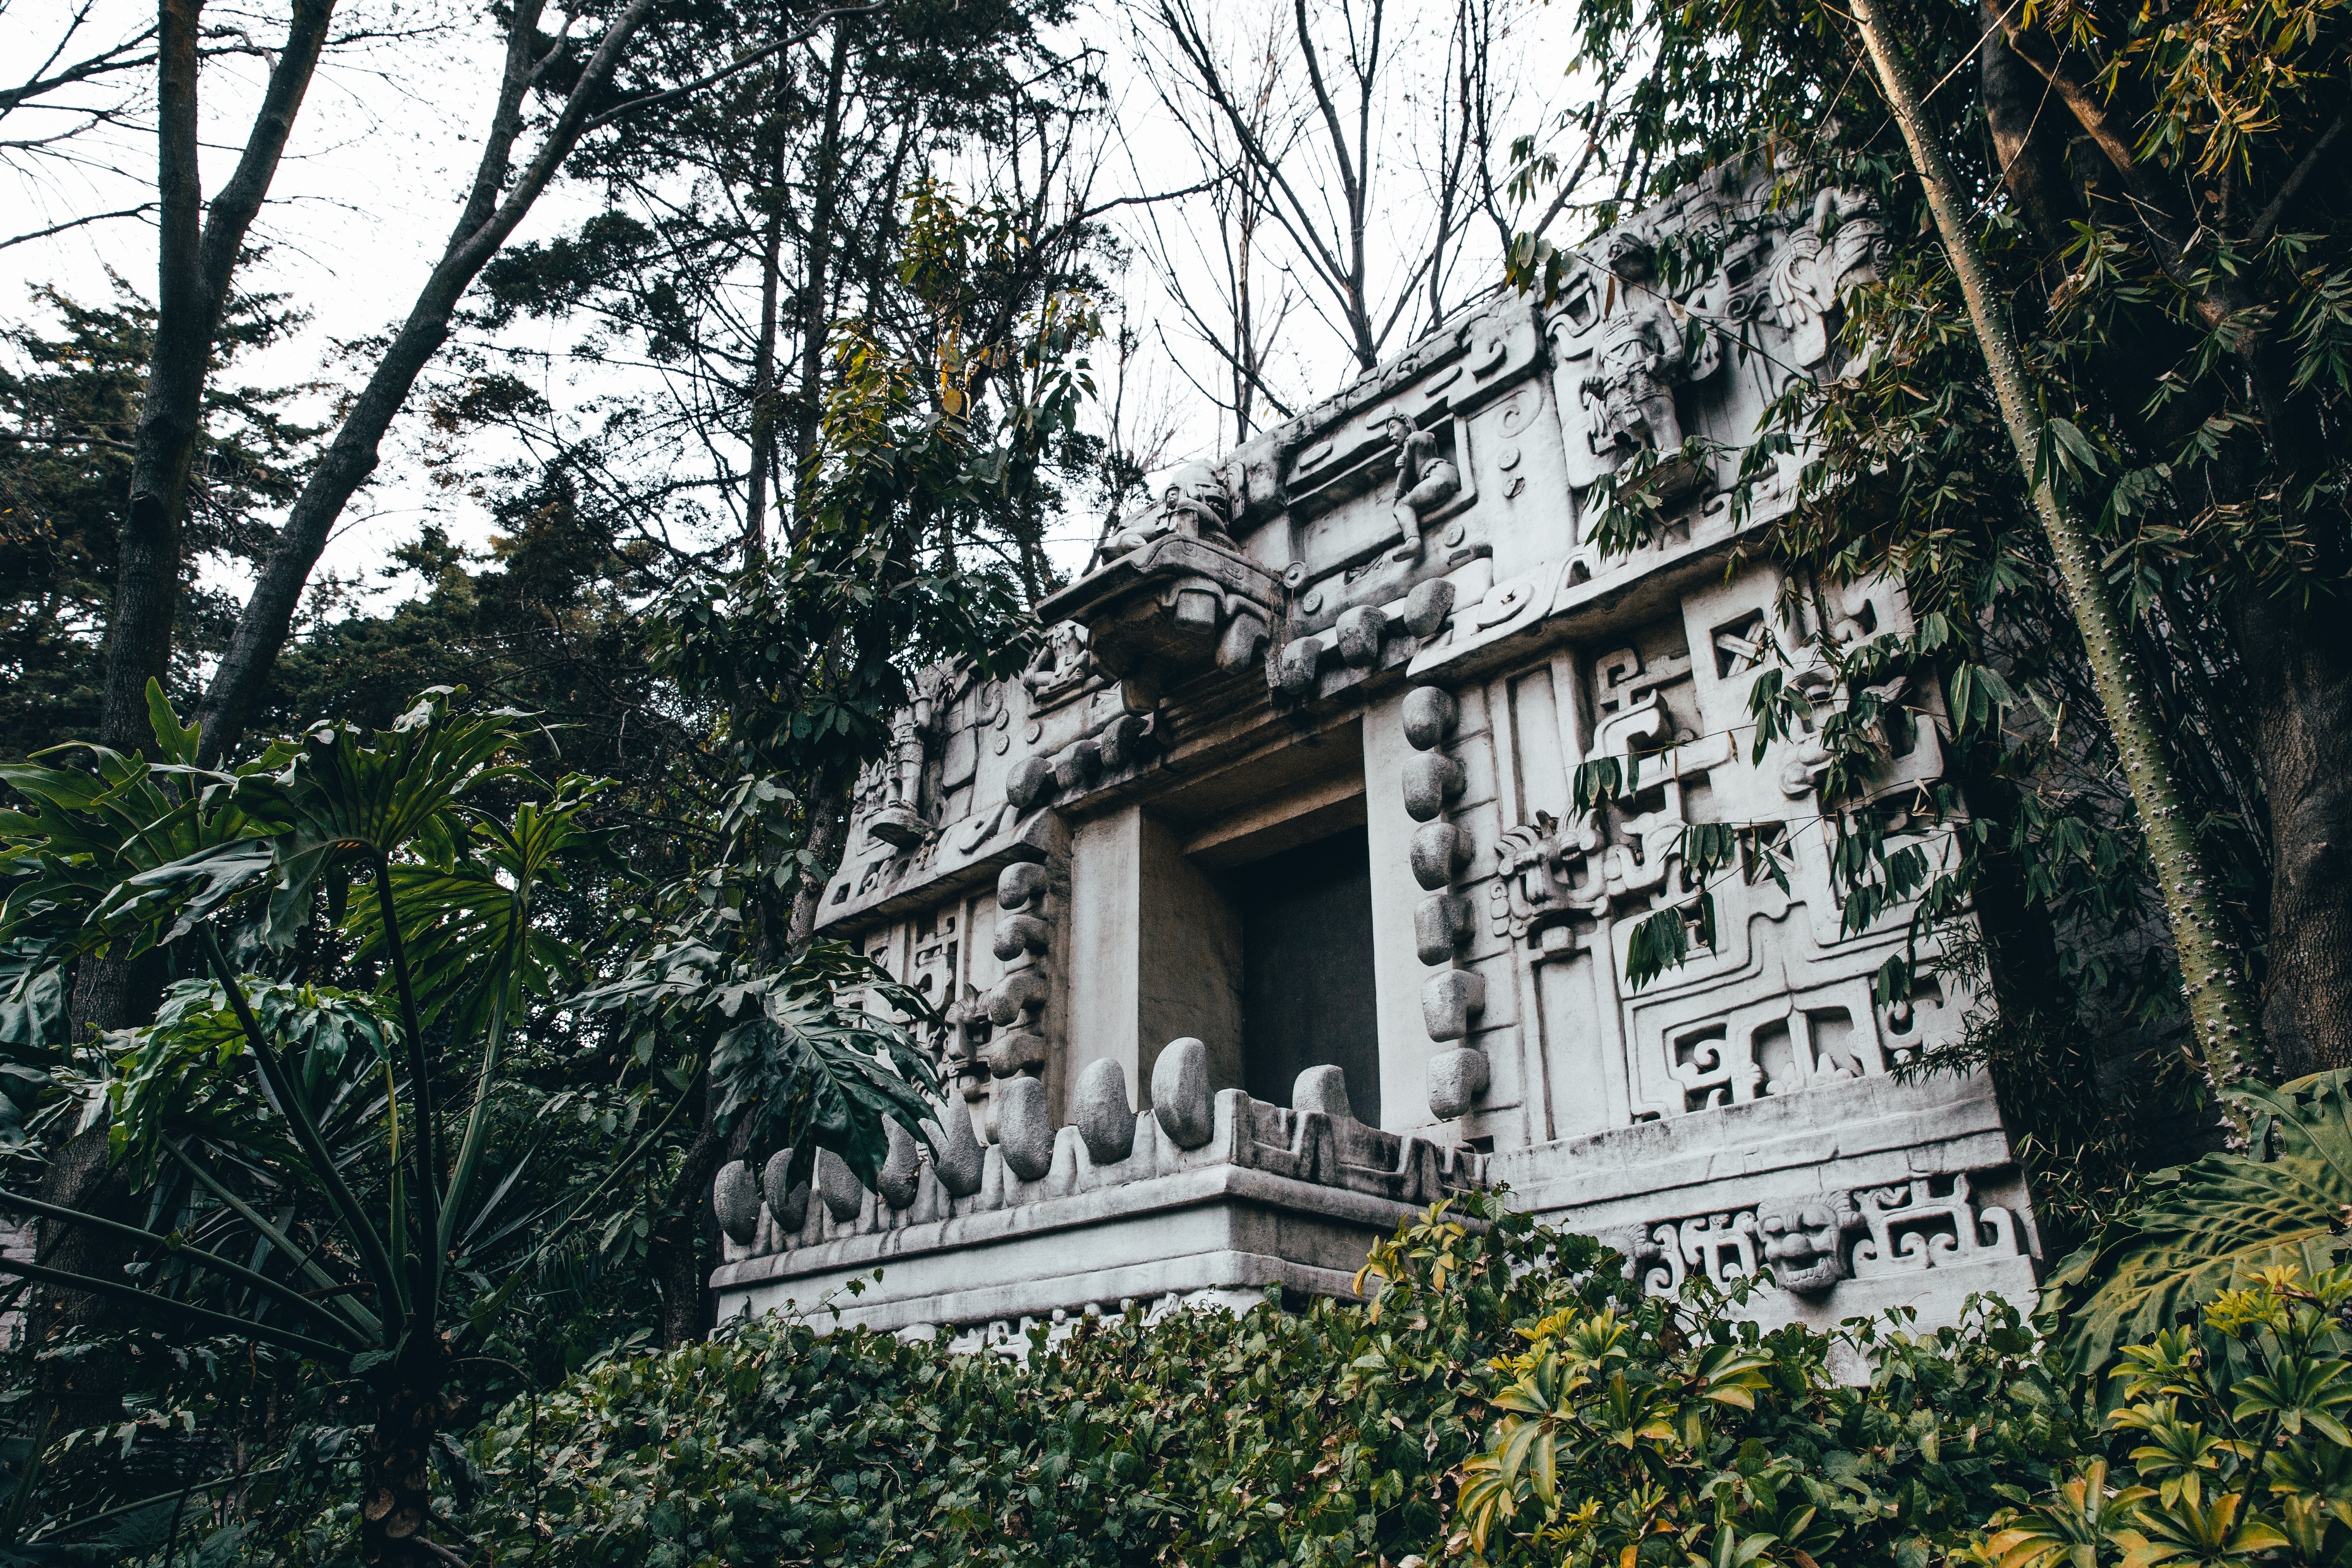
(1024, 1130)
(735, 1199)
(1296, 668)
(1020, 933)
(838, 1186)
(1430, 716)
(1021, 885)
(1426, 607)
(1360, 631)
(956, 1155)
(902, 1167)
(1433, 781)
(1020, 994)
(1030, 784)
(1441, 924)
(1325, 1089)
(787, 1205)
(1441, 852)
(1456, 1078)
(1182, 1098)
(1100, 1107)
(1449, 1001)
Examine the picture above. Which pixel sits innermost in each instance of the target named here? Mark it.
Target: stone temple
(1261, 906)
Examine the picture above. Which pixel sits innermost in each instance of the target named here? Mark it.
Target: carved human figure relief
(1837, 246)
(1194, 503)
(1425, 480)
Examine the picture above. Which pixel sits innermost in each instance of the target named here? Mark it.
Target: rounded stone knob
(1325, 1089)
(1024, 1132)
(1430, 715)
(735, 1198)
(956, 1155)
(901, 1168)
(1456, 1078)
(838, 1185)
(1100, 1107)
(1182, 1099)
(787, 1205)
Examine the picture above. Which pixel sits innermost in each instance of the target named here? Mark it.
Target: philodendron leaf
(2210, 1226)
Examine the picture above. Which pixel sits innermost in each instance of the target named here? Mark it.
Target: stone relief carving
(1453, 997)
(1426, 481)
(1415, 541)
(1836, 246)
(1813, 1242)
(1641, 356)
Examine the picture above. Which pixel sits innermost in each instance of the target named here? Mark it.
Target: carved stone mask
(1804, 1239)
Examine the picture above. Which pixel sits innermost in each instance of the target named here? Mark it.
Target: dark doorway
(1306, 969)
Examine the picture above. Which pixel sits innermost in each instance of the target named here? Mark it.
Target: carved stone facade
(1286, 807)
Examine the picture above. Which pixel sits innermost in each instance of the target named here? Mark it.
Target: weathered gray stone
(1804, 1239)
(1419, 547)
(1361, 632)
(956, 1157)
(1430, 715)
(1182, 1097)
(1440, 925)
(1441, 852)
(1100, 1107)
(1426, 607)
(1456, 1078)
(1449, 1001)
(1024, 1132)
(902, 1167)
(735, 1198)
(838, 1185)
(1031, 783)
(1021, 885)
(1323, 1088)
(788, 1205)
(1020, 933)
(1296, 667)
(1433, 781)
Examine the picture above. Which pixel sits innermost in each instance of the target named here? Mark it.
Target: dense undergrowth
(1507, 1394)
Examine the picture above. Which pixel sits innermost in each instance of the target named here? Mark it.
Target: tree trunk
(676, 1250)
(193, 268)
(495, 206)
(828, 831)
(2211, 974)
(396, 1462)
(147, 570)
(2296, 663)
(815, 288)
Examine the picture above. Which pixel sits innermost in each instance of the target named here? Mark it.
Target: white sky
(379, 160)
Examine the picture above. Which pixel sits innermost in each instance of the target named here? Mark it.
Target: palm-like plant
(317, 1161)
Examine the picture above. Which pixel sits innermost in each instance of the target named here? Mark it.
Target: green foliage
(2234, 1426)
(2216, 1225)
(1496, 1360)
(68, 411)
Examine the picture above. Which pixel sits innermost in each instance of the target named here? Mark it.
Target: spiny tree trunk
(2294, 660)
(2222, 1021)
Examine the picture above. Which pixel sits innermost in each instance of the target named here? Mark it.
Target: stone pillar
(1405, 1045)
(1156, 953)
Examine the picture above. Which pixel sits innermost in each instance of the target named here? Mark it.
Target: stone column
(1156, 953)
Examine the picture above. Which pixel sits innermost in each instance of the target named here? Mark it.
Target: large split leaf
(2210, 1226)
